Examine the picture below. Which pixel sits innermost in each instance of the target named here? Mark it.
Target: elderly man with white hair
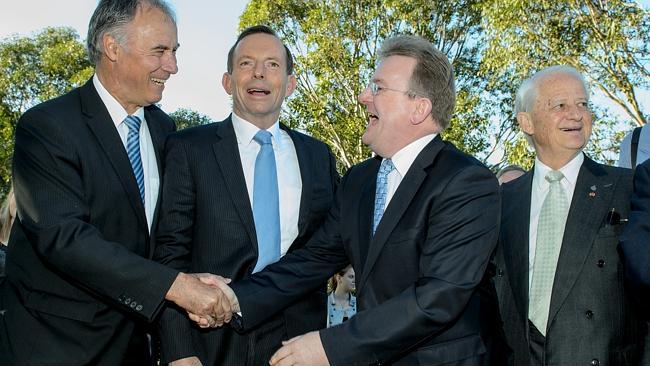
(559, 277)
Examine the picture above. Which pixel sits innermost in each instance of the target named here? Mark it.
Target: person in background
(341, 303)
(560, 281)
(7, 216)
(509, 173)
(81, 286)
(635, 147)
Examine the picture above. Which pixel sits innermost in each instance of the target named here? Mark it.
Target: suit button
(595, 362)
(127, 301)
(138, 308)
(589, 314)
(133, 304)
(601, 263)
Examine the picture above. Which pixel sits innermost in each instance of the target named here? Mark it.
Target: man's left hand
(306, 350)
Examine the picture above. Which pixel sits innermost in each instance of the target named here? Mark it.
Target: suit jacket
(207, 226)
(78, 269)
(635, 239)
(591, 318)
(418, 276)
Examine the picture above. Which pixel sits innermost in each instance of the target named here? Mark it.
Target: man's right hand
(207, 302)
(188, 361)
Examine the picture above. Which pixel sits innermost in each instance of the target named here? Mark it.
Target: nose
(170, 64)
(365, 97)
(576, 113)
(259, 71)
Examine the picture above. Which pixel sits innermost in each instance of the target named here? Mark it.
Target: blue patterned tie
(133, 151)
(266, 203)
(381, 191)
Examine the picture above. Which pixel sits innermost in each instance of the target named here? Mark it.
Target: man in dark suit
(559, 277)
(209, 218)
(418, 223)
(80, 284)
(635, 241)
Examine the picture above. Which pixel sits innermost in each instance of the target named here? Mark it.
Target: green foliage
(32, 70)
(335, 45)
(608, 41)
(185, 118)
(493, 45)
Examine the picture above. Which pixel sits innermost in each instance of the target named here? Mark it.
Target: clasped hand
(207, 298)
(224, 306)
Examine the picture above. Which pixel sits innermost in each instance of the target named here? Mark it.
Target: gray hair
(111, 16)
(527, 92)
(433, 75)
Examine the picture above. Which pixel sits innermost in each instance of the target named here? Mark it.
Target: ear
(525, 123)
(291, 85)
(111, 47)
(226, 82)
(422, 110)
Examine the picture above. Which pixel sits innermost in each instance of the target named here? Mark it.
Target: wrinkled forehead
(563, 83)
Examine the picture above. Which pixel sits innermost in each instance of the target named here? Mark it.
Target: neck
(556, 161)
(340, 294)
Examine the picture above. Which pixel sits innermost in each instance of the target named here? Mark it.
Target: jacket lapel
(515, 228)
(227, 156)
(399, 203)
(101, 125)
(586, 216)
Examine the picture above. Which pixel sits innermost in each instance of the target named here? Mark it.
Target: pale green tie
(550, 230)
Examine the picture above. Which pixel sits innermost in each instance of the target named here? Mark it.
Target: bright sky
(206, 30)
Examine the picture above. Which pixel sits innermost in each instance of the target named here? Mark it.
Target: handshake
(207, 298)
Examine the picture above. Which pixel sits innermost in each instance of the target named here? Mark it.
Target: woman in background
(341, 303)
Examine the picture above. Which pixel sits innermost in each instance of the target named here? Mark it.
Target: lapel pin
(592, 194)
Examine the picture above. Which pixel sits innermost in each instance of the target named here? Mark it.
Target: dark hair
(111, 16)
(254, 30)
(433, 75)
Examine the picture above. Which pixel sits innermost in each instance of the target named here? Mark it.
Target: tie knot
(263, 137)
(386, 167)
(554, 176)
(133, 122)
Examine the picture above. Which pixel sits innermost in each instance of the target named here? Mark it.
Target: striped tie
(133, 150)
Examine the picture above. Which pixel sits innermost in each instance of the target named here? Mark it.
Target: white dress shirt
(642, 152)
(147, 152)
(402, 160)
(538, 195)
(288, 170)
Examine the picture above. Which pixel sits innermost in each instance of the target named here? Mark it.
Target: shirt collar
(245, 131)
(115, 109)
(404, 158)
(570, 171)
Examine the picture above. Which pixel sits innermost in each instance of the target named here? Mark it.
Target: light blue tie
(381, 191)
(133, 151)
(266, 203)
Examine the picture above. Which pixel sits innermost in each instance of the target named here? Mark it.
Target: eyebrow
(163, 47)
